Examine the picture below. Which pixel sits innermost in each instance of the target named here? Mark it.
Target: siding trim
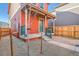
(14, 12)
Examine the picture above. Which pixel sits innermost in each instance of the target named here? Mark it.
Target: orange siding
(46, 7)
(37, 5)
(34, 24)
(46, 23)
(34, 21)
(22, 18)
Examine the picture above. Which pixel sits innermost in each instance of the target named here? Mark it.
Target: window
(42, 5)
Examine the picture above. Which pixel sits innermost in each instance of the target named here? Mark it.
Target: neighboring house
(67, 20)
(67, 14)
(29, 19)
(4, 25)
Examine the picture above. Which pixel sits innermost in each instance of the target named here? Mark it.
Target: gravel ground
(20, 48)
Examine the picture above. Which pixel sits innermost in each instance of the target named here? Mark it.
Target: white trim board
(67, 9)
(30, 36)
(14, 13)
(18, 8)
(43, 24)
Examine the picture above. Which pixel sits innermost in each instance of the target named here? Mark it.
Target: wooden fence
(4, 31)
(67, 31)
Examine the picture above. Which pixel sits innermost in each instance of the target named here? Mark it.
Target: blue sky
(52, 6)
(4, 10)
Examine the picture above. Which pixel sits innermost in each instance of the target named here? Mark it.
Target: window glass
(42, 5)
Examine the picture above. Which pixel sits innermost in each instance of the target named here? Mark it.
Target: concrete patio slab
(20, 48)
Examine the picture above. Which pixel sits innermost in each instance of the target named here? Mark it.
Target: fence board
(5, 31)
(68, 31)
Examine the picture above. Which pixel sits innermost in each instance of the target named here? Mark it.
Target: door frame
(41, 19)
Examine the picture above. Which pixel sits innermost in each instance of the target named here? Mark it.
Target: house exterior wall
(12, 9)
(34, 21)
(15, 22)
(37, 5)
(67, 15)
(66, 18)
(22, 16)
(45, 6)
(67, 21)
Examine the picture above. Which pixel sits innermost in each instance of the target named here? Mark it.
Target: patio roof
(40, 11)
(58, 6)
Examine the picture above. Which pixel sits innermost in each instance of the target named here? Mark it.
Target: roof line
(61, 4)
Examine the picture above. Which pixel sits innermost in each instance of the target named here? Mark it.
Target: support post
(0, 33)
(11, 42)
(54, 27)
(41, 49)
(29, 12)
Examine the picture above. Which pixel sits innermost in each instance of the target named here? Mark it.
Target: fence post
(28, 45)
(11, 43)
(41, 44)
(0, 33)
(74, 31)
